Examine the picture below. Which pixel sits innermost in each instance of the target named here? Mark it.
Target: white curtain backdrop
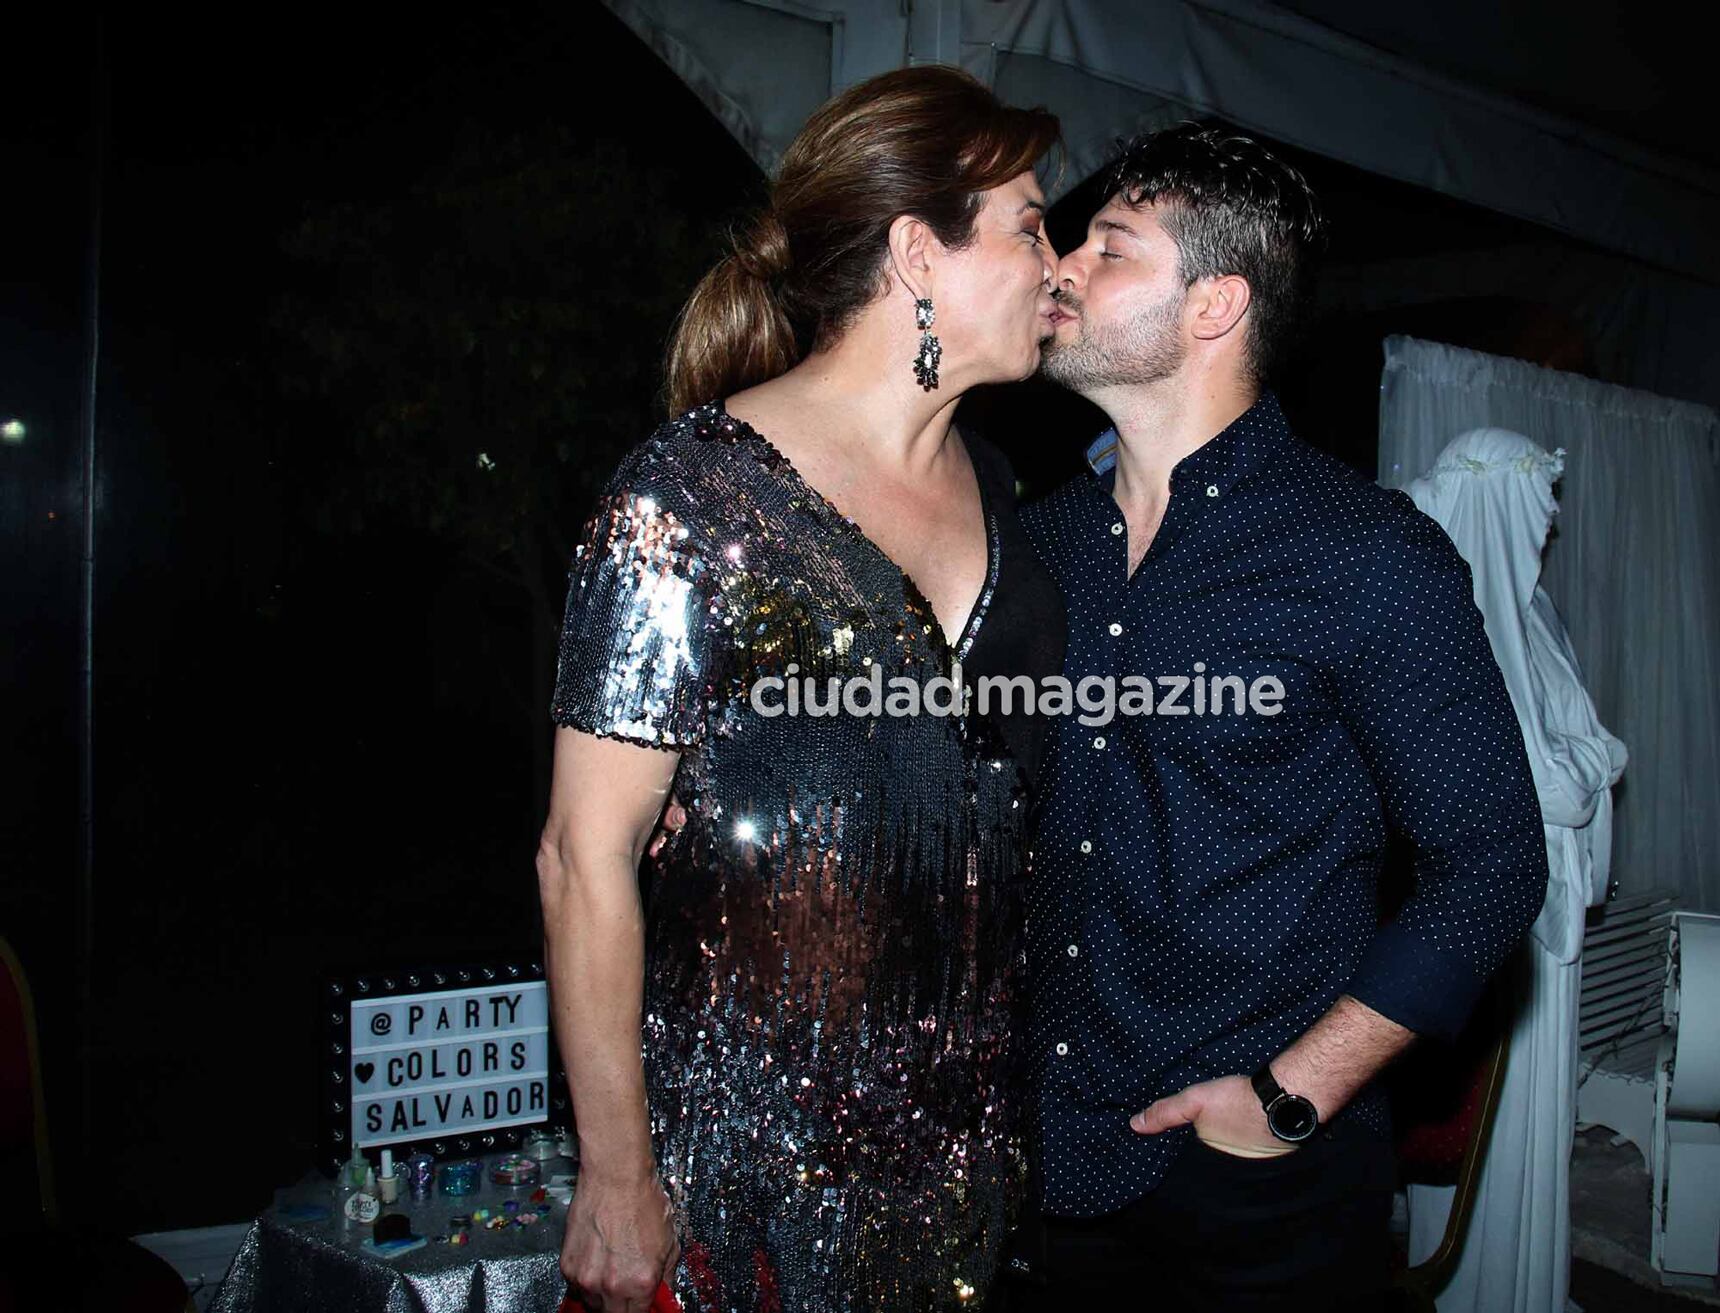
(1492, 492)
(1633, 567)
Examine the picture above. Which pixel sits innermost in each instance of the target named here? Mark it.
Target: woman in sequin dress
(823, 1112)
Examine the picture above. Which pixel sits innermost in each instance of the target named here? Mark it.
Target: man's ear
(911, 246)
(1216, 305)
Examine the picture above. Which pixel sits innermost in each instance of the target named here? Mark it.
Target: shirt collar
(1220, 463)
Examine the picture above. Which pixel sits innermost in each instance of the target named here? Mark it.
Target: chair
(1622, 1017)
(1446, 1126)
(44, 1264)
(23, 1116)
(1684, 1210)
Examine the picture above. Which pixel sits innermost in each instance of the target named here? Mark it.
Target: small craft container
(462, 1177)
(515, 1169)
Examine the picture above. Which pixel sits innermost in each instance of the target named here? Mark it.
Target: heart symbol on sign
(364, 1070)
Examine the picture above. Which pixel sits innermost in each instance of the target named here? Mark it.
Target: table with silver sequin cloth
(320, 1266)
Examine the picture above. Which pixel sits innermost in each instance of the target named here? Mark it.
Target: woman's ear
(911, 254)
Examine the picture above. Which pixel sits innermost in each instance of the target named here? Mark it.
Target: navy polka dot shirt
(1205, 883)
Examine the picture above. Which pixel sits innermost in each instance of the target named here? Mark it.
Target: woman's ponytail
(734, 332)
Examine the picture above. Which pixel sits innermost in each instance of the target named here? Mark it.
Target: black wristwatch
(1291, 1117)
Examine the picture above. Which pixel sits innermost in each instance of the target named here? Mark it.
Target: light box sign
(454, 1061)
(459, 1061)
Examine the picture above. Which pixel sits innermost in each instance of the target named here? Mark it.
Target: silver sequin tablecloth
(288, 1265)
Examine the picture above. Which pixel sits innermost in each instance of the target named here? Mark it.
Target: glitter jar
(461, 1178)
(420, 1170)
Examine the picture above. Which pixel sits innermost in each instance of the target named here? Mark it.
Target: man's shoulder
(1376, 535)
(1335, 495)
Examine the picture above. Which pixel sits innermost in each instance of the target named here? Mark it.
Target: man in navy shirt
(1214, 995)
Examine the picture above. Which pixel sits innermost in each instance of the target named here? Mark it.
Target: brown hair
(1232, 207)
(924, 141)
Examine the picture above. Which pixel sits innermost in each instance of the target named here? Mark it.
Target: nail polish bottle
(387, 1182)
(364, 1206)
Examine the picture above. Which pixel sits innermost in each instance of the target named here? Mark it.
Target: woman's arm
(604, 803)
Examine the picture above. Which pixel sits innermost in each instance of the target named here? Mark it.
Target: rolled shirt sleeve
(1425, 701)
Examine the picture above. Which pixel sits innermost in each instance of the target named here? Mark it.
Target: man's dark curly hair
(1231, 207)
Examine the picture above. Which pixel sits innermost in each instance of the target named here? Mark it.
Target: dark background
(381, 302)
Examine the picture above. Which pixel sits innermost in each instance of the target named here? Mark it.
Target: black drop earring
(931, 350)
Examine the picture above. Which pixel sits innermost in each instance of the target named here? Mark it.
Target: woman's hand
(605, 798)
(620, 1242)
(674, 817)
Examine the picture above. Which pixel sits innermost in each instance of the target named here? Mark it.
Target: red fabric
(663, 1301)
(1435, 1148)
(1437, 1093)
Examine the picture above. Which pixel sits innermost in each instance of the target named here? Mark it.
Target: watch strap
(1266, 1086)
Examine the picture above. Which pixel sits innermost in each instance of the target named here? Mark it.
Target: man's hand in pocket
(1225, 1113)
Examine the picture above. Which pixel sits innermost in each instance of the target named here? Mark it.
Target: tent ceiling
(1324, 75)
(1620, 68)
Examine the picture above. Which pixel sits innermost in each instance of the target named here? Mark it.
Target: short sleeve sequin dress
(834, 959)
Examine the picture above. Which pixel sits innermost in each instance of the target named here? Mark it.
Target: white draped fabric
(1632, 567)
(1492, 492)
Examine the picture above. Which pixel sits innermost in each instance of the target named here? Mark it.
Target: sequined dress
(834, 939)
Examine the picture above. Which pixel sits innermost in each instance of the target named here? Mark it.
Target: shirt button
(1117, 527)
(1212, 490)
(1074, 951)
(1086, 845)
(1099, 742)
(1062, 1049)
(1115, 629)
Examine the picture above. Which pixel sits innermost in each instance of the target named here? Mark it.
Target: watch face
(1293, 1118)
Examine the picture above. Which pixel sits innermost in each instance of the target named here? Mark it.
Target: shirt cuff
(1428, 990)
